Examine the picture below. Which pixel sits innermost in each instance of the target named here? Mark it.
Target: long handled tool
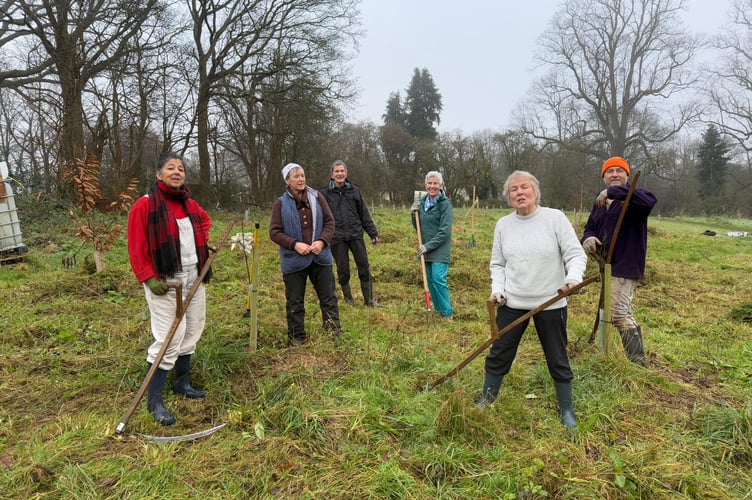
(499, 333)
(182, 305)
(491, 305)
(426, 293)
(605, 265)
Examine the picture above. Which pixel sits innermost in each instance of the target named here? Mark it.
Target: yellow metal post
(252, 299)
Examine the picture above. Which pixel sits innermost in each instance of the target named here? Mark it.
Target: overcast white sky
(479, 52)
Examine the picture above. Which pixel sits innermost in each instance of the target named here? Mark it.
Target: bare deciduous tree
(66, 44)
(614, 64)
(258, 40)
(730, 86)
(145, 102)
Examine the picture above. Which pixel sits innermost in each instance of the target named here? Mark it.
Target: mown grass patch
(352, 418)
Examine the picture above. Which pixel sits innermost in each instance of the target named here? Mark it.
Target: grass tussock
(352, 418)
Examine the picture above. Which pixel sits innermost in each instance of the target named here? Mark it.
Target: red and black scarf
(164, 240)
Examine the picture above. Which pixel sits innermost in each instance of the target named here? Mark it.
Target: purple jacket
(628, 259)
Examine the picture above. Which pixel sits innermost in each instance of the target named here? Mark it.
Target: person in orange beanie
(630, 251)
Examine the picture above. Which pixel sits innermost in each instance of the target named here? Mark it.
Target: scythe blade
(185, 437)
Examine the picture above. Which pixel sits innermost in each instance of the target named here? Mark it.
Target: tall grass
(349, 418)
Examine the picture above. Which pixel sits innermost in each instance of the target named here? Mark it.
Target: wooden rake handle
(426, 293)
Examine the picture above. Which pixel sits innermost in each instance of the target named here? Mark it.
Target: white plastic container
(11, 244)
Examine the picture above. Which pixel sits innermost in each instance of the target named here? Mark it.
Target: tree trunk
(202, 143)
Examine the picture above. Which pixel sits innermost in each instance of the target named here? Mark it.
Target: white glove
(421, 250)
(591, 244)
(497, 298)
(416, 205)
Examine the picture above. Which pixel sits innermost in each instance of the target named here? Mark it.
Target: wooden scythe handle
(622, 213)
(511, 325)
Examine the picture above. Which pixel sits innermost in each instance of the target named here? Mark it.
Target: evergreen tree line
(242, 88)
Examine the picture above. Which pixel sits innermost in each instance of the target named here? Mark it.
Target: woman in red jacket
(168, 235)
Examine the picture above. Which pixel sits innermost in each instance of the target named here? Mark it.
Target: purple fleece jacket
(628, 259)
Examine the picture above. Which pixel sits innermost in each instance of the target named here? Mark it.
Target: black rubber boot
(632, 342)
(564, 396)
(154, 402)
(491, 386)
(367, 288)
(347, 294)
(181, 382)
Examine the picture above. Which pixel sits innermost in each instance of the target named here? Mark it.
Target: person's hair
(337, 163)
(437, 175)
(168, 157)
(527, 175)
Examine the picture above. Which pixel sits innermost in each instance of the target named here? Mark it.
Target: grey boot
(367, 288)
(181, 383)
(491, 386)
(347, 294)
(564, 396)
(154, 402)
(632, 342)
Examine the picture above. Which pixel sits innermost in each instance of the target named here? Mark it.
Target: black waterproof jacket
(351, 216)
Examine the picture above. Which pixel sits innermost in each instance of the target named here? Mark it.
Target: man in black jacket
(351, 218)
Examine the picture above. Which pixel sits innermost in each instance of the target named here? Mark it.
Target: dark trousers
(341, 253)
(551, 326)
(322, 279)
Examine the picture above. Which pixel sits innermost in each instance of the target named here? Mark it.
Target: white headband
(286, 169)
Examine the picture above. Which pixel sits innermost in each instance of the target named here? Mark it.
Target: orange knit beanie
(615, 161)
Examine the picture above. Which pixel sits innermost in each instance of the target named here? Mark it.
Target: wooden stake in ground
(472, 220)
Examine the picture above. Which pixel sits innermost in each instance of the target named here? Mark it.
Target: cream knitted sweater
(533, 256)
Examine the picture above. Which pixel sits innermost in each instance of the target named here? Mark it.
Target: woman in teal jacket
(436, 217)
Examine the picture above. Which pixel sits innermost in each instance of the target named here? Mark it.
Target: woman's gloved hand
(591, 245)
(156, 286)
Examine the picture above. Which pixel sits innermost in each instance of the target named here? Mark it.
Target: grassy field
(349, 419)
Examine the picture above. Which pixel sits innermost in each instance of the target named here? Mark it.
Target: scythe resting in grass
(182, 305)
